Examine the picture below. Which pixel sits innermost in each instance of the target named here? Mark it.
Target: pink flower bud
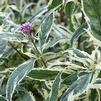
(26, 28)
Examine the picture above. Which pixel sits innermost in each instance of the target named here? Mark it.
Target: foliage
(50, 50)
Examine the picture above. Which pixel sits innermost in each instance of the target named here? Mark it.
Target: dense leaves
(49, 51)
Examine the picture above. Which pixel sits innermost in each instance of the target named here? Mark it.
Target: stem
(16, 50)
(38, 52)
(98, 94)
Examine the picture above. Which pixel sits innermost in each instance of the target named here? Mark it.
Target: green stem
(16, 50)
(38, 52)
(98, 94)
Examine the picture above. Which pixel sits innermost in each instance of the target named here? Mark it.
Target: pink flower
(26, 28)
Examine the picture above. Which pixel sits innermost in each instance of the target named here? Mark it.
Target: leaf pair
(77, 88)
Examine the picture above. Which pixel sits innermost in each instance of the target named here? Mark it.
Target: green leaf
(14, 7)
(45, 28)
(37, 15)
(19, 4)
(96, 84)
(3, 44)
(70, 79)
(47, 23)
(92, 9)
(78, 52)
(27, 97)
(5, 51)
(69, 8)
(26, 8)
(54, 3)
(2, 98)
(17, 76)
(10, 36)
(78, 32)
(55, 88)
(59, 35)
(78, 87)
(24, 95)
(45, 74)
(98, 81)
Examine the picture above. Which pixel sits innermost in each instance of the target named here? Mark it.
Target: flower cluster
(26, 28)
